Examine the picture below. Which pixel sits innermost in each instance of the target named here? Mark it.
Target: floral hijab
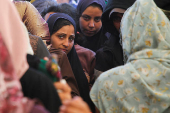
(142, 85)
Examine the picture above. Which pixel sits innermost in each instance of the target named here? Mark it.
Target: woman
(142, 84)
(86, 56)
(90, 25)
(111, 54)
(62, 30)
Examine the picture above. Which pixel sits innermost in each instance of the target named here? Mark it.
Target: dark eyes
(97, 19)
(71, 38)
(87, 18)
(63, 36)
(60, 36)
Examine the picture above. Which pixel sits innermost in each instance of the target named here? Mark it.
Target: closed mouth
(64, 50)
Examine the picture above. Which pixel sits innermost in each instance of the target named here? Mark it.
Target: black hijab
(112, 50)
(95, 42)
(73, 59)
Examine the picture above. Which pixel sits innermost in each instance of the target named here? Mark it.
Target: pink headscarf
(13, 64)
(13, 35)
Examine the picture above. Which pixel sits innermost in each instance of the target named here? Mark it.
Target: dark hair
(60, 23)
(62, 8)
(53, 8)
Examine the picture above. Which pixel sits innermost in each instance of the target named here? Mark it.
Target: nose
(91, 24)
(66, 43)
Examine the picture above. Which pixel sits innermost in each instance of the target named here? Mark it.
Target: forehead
(92, 11)
(68, 29)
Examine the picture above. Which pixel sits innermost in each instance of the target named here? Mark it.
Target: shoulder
(85, 51)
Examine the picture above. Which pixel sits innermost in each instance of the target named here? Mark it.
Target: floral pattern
(142, 84)
(11, 97)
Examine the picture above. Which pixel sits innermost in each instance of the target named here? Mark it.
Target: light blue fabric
(142, 85)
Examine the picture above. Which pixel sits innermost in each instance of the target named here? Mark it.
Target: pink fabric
(11, 97)
(14, 36)
(13, 48)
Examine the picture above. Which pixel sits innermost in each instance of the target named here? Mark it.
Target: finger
(46, 58)
(63, 87)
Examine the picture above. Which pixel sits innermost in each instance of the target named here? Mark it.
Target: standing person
(111, 54)
(90, 25)
(62, 30)
(142, 84)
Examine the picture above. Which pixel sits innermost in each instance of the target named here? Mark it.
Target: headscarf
(83, 4)
(17, 45)
(142, 85)
(54, 17)
(95, 42)
(73, 59)
(13, 64)
(111, 4)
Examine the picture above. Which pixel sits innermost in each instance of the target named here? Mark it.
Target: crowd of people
(85, 56)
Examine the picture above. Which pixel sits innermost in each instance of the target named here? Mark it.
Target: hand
(76, 105)
(65, 91)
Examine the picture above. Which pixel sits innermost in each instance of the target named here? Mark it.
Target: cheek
(117, 25)
(98, 26)
(55, 42)
(70, 46)
(82, 24)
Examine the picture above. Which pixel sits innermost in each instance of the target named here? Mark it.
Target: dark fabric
(95, 42)
(41, 5)
(38, 46)
(87, 60)
(163, 4)
(110, 56)
(123, 4)
(54, 17)
(36, 85)
(80, 77)
(83, 4)
(66, 71)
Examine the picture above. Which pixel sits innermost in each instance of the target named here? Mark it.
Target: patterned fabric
(142, 85)
(11, 97)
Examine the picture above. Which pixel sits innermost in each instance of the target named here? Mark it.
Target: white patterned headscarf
(145, 32)
(142, 85)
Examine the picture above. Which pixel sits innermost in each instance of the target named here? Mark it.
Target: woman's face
(64, 38)
(90, 21)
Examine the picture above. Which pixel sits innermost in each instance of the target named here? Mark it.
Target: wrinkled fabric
(142, 84)
(35, 24)
(13, 49)
(16, 45)
(38, 46)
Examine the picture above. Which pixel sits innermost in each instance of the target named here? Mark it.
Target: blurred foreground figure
(142, 84)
